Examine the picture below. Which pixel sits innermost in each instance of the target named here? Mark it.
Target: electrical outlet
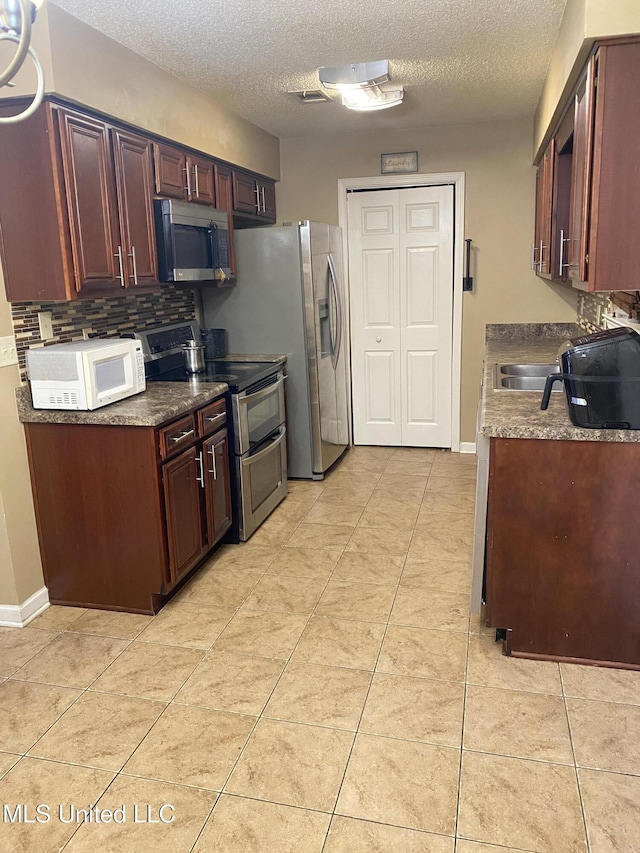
(86, 334)
(8, 354)
(46, 325)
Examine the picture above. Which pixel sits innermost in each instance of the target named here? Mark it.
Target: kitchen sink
(523, 377)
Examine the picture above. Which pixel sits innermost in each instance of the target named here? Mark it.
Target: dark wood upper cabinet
(201, 180)
(91, 201)
(541, 253)
(578, 258)
(245, 193)
(224, 201)
(268, 193)
(85, 185)
(588, 180)
(591, 217)
(134, 183)
(613, 250)
(254, 196)
(180, 174)
(170, 171)
(88, 196)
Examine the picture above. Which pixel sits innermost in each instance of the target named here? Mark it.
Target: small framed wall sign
(404, 161)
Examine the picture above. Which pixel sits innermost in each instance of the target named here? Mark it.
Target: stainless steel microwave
(193, 242)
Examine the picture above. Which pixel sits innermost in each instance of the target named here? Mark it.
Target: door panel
(401, 277)
(91, 200)
(215, 454)
(134, 181)
(379, 397)
(378, 296)
(170, 171)
(422, 372)
(182, 510)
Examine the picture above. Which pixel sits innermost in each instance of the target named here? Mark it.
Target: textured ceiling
(460, 61)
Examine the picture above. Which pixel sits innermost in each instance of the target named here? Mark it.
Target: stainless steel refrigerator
(289, 298)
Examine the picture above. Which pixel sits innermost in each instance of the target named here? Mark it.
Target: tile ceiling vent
(310, 96)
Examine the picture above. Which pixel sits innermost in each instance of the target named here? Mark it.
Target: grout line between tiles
(575, 763)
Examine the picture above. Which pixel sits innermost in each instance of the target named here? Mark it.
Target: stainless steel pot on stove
(193, 353)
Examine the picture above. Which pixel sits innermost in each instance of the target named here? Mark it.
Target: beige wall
(84, 65)
(583, 22)
(20, 567)
(499, 218)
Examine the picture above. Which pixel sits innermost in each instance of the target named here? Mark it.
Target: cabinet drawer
(212, 417)
(177, 435)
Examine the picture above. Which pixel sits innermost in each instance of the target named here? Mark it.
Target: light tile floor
(321, 688)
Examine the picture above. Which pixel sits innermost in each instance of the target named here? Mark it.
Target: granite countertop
(161, 402)
(517, 414)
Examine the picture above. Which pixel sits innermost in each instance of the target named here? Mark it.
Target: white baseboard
(19, 615)
(467, 447)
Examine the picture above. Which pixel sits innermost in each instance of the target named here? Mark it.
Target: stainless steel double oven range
(256, 402)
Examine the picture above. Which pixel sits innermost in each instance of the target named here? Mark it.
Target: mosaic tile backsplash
(591, 307)
(107, 317)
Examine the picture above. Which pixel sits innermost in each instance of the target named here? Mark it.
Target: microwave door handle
(213, 237)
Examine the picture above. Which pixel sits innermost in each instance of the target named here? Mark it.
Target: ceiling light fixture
(359, 83)
(367, 100)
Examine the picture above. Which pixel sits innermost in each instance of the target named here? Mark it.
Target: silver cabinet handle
(540, 260)
(132, 255)
(534, 249)
(118, 255)
(200, 479)
(264, 207)
(563, 240)
(195, 175)
(212, 454)
(182, 435)
(188, 186)
(257, 191)
(216, 418)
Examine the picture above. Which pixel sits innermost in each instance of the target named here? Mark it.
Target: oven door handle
(264, 392)
(273, 441)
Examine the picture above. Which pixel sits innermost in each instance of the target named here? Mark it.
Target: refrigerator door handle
(335, 345)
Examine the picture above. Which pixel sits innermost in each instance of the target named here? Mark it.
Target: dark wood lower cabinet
(215, 455)
(182, 509)
(563, 546)
(122, 517)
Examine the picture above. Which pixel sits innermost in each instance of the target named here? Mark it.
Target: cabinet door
(578, 257)
(544, 208)
(215, 452)
(268, 199)
(245, 193)
(182, 511)
(91, 201)
(614, 218)
(201, 180)
(134, 182)
(224, 201)
(170, 171)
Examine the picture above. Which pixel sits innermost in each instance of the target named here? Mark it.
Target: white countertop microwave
(85, 375)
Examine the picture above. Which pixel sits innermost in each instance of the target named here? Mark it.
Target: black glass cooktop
(238, 375)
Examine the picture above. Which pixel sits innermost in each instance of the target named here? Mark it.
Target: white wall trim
(467, 447)
(19, 615)
(457, 179)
